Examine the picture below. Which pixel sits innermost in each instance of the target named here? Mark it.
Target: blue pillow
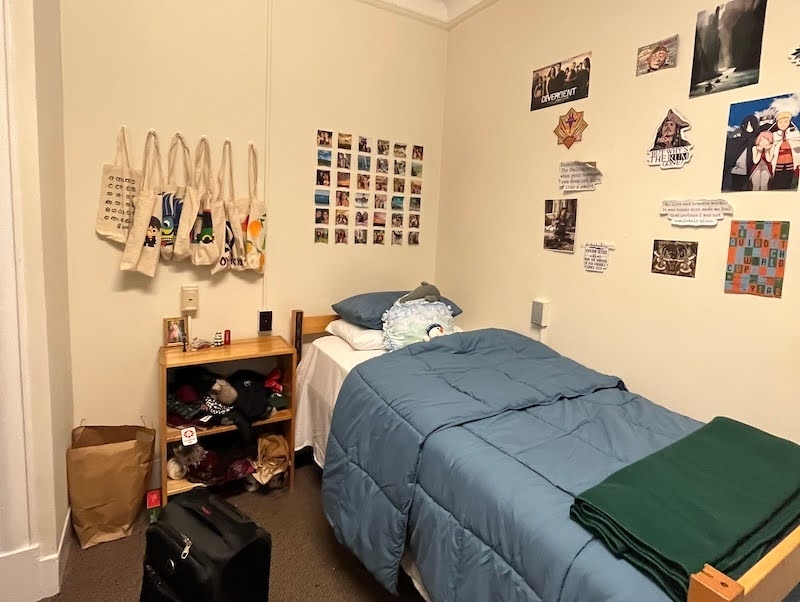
(366, 310)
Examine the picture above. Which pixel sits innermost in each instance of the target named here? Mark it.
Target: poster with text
(762, 150)
(757, 258)
(560, 219)
(727, 47)
(561, 82)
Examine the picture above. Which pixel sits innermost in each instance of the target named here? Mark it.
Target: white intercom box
(540, 313)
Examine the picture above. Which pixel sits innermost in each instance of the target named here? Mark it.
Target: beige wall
(679, 342)
(202, 69)
(50, 112)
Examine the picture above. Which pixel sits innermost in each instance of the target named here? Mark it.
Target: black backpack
(202, 549)
(252, 394)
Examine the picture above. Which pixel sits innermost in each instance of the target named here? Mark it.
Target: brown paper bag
(108, 469)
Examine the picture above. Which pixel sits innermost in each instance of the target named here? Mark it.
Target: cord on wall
(267, 127)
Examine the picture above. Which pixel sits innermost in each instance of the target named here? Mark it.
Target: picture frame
(175, 331)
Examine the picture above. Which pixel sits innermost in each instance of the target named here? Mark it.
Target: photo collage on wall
(368, 190)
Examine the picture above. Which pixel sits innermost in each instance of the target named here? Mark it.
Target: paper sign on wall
(579, 176)
(595, 256)
(189, 436)
(696, 213)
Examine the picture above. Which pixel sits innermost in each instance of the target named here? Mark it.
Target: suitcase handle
(206, 514)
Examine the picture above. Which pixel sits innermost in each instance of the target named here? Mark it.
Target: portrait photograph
(321, 216)
(415, 203)
(324, 158)
(413, 238)
(416, 187)
(417, 152)
(377, 237)
(345, 141)
(397, 220)
(383, 147)
(380, 201)
(560, 216)
(727, 47)
(175, 331)
(362, 181)
(343, 160)
(413, 220)
(382, 166)
(321, 235)
(342, 198)
(399, 168)
(381, 183)
(364, 145)
(397, 237)
(362, 218)
(341, 236)
(323, 177)
(342, 218)
(324, 138)
(399, 185)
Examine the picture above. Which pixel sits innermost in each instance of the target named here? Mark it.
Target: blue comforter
(471, 448)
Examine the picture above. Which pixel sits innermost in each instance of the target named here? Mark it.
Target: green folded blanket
(722, 495)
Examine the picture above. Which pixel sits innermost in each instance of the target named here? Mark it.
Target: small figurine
(218, 339)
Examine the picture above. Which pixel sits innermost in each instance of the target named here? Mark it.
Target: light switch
(190, 298)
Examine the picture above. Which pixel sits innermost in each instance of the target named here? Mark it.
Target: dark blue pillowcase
(367, 309)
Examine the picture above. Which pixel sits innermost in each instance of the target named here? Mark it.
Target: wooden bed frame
(770, 580)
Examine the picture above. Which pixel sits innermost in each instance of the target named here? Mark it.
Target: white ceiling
(441, 12)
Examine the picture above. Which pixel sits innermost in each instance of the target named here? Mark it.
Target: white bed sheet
(325, 364)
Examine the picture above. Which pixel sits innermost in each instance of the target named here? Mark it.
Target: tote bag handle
(178, 141)
(202, 164)
(121, 156)
(152, 159)
(226, 165)
(252, 171)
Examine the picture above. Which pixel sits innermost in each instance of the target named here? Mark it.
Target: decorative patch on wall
(795, 57)
(579, 176)
(674, 258)
(762, 150)
(728, 47)
(657, 56)
(570, 128)
(560, 220)
(757, 258)
(671, 149)
(595, 256)
(561, 82)
(696, 213)
(367, 173)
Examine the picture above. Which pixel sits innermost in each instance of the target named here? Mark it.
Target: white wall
(203, 69)
(680, 342)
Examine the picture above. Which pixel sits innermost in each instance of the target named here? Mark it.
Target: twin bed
(458, 460)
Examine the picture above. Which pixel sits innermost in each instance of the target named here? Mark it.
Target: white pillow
(360, 339)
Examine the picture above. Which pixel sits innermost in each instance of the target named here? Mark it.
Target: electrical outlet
(265, 321)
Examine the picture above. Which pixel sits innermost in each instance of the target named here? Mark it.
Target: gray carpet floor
(307, 562)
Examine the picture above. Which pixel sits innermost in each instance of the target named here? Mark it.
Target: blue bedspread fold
(473, 446)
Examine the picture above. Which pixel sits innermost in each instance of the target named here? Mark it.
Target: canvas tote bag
(174, 195)
(142, 247)
(191, 205)
(232, 255)
(255, 224)
(118, 187)
(203, 244)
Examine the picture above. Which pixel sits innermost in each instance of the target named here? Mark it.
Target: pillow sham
(367, 309)
(415, 322)
(360, 339)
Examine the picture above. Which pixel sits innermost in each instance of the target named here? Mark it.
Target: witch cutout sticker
(671, 149)
(570, 128)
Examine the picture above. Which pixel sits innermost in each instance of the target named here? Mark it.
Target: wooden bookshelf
(273, 350)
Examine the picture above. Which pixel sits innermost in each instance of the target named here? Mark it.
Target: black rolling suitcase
(202, 549)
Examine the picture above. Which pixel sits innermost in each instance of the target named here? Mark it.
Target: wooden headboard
(307, 325)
